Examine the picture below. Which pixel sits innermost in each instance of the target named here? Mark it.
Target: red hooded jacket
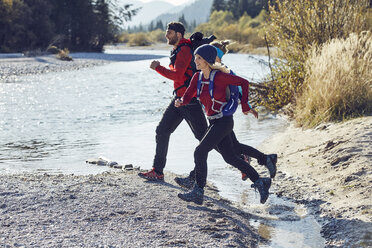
(181, 67)
(221, 81)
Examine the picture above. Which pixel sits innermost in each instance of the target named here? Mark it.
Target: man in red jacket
(180, 71)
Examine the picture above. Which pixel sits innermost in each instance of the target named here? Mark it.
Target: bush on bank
(338, 82)
(142, 38)
(295, 28)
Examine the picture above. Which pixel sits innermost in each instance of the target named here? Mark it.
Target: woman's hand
(251, 111)
(178, 102)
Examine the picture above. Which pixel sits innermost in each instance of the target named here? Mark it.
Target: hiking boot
(271, 160)
(196, 195)
(263, 185)
(186, 182)
(151, 175)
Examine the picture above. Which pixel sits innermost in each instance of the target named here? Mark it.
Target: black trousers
(247, 150)
(194, 116)
(219, 135)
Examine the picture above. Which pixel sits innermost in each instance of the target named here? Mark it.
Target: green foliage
(297, 25)
(218, 5)
(244, 30)
(84, 25)
(239, 7)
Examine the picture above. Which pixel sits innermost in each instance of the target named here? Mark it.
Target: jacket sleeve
(191, 90)
(183, 61)
(239, 81)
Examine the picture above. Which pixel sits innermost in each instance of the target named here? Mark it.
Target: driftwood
(258, 92)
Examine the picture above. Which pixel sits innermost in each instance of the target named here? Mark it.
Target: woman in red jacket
(246, 151)
(220, 127)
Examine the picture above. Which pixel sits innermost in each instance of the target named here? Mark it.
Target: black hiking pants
(219, 135)
(247, 150)
(172, 117)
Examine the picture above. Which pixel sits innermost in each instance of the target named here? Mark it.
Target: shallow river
(54, 122)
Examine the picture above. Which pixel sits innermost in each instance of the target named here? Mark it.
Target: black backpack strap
(173, 56)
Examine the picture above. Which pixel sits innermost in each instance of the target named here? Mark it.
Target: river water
(54, 122)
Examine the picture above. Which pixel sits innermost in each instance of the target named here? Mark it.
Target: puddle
(280, 222)
(288, 225)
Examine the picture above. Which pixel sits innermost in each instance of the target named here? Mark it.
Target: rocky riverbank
(114, 210)
(11, 68)
(329, 169)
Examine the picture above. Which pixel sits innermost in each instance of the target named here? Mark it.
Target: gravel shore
(11, 68)
(114, 210)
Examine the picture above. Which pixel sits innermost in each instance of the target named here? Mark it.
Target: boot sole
(183, 185)
(151, 178)
(199, 202)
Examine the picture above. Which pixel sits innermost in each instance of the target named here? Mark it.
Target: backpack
(232, 93)
(196, 41)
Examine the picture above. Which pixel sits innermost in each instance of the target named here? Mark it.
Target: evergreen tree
(243, 6)
(159, 25)
(233, 6)
(182, 20)
(40, 27)
(218, 5)
(151, 26)
(74, 24)
(104, 29)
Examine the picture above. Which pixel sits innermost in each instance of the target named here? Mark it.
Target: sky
(174, 2)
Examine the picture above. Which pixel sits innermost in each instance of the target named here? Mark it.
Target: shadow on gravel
(115, 57)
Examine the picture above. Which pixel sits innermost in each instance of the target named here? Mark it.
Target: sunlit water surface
(54, 122)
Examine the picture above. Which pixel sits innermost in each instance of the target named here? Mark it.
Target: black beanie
(207, 52)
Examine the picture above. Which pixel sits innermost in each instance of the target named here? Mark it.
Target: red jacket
(221, 81)
(177, 73)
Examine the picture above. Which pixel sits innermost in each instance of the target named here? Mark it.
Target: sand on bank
(329, 170)
(11, 67)
(116, 209)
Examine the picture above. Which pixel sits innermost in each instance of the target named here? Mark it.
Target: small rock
(128, 167)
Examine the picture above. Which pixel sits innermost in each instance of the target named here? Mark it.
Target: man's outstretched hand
(154, 64)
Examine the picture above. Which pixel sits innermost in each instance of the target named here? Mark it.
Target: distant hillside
(198, 11)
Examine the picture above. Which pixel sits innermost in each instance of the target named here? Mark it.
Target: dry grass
(139, 39)
(338, 82)
(64, 55)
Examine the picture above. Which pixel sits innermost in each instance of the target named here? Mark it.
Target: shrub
(139, 39)
(245, 30)
(338, 81)
(124, 37)
(157, 35)
(64, 55)
(297, 25)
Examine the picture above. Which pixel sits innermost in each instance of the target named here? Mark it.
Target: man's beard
(172, 41)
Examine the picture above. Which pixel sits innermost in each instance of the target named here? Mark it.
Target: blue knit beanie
(207, 52)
